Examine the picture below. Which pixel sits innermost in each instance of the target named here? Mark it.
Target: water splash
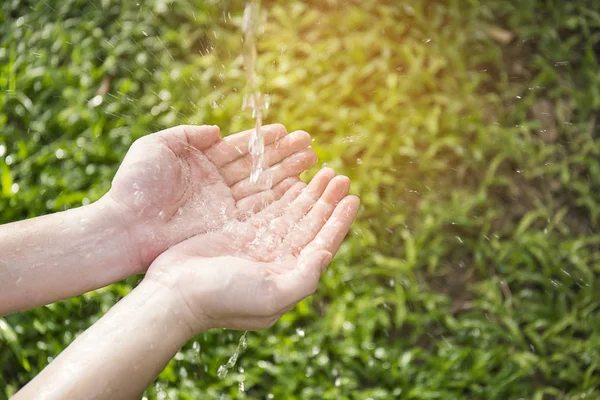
(254, 99)
(225, 368)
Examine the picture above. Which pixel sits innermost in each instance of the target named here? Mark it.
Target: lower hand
(249, 273)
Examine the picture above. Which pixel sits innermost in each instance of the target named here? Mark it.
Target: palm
(184, 181)
(249, 272)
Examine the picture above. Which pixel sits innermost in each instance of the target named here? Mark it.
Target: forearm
(120, 355)
(56, 256)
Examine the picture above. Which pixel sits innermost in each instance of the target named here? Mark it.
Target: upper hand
(187, 180)
(248, 273)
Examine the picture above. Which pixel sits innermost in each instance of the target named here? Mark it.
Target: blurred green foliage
(468, 129)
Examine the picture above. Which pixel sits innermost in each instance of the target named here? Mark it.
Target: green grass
(471, 271)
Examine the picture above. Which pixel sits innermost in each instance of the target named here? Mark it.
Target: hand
(186, 180)
(249, 273)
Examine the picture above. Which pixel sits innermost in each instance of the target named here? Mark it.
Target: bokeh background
(468, 127)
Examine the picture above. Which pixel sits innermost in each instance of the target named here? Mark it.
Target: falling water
(258, 103)
(254, 99)
(224, 369)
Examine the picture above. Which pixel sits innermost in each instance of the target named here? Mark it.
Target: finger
(302, 204)
(275, 209)
(257, 202)
(237, 145)
(301, 281)
(337, 226)
(306, 230)
(291, 166)
(239, 169)
(183, 137)
(297, 283)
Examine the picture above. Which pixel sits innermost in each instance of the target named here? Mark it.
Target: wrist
(166, 306)
(114, 215)
(186, 314)
(145, 237)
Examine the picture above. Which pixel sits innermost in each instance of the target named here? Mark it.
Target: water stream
(225, 368)
(253, 98)
(256, 101)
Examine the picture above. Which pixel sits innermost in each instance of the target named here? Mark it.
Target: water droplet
(14, 188)
(60, 154)
(222, 371)
(95, 101)
(196, 347)
(380, 353)
(164, 95)
(141, 58)
(322, 359)
(2, 150)
(405, 359)
(555, 282)
(565, 272)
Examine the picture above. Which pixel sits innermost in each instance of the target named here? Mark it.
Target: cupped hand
(186, 180)
(248, 273)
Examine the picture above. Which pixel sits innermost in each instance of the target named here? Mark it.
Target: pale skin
(242, 276)
(158, 198)
(265, 252)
